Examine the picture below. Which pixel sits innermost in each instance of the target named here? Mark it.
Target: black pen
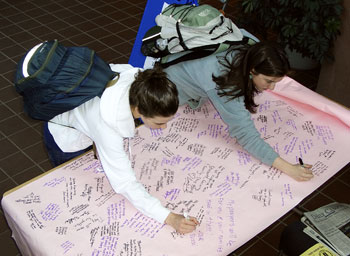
(301, 162)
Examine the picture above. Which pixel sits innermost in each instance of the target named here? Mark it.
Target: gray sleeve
(193, 80)
(241, 126)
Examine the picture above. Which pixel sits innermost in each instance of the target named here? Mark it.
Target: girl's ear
(135, 112)
(253, 72)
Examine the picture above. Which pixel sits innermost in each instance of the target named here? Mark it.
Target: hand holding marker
(308, 173)
(301, 162)
(186, 216)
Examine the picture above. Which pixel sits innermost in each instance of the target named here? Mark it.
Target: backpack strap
(114, 80)
(109, 84)
(182, 43)
(201, 52)
(190, 56)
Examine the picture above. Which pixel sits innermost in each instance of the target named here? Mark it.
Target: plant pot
(297, 61)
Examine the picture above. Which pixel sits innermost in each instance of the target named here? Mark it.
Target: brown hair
(154, 94)
(265, 58)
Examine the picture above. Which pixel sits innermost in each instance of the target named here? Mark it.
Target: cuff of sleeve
(270, 158)
(162, 214)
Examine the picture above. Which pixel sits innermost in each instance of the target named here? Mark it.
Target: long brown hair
(265, 58)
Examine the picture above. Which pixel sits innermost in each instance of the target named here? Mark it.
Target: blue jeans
(56, 155)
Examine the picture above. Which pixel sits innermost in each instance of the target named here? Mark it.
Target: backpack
(194, 31)
(53, 78)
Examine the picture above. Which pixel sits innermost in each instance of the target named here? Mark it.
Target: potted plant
(308, 27)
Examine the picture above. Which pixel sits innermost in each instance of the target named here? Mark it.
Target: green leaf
(250, 5)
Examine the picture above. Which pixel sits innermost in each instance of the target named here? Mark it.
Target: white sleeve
(120, 67)
(117, 166)
(67, 138)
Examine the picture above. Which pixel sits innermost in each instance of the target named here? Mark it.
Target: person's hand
(300, 172)
(296, 171)
(181, 224)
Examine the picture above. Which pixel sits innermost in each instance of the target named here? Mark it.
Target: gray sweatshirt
(195, 85)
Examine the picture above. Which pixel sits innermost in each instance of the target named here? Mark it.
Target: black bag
(53, 78)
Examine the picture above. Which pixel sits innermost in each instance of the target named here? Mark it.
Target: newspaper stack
(330, 226)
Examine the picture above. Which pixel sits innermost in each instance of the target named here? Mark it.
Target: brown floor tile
(290, 218)
(11, 30)
(34, 12)
(12, 125)
(7, 244)
(102, 21)
(106, 9)
(85, 26)
(9, 75)
(243, 248)
(45, 18)
(29, 121)
(121, 59)
(98, 33)
(122, 4)
(5, 186)
(24, 5)
(109, 55)
(338, 191)
(63, 27)
(37, 152)
(18, 17)
(123, 47)
(132, 22)
(39, 31)
(272, 237)
(128, 35)
(5, 112)
(6, 148)
(51, 7)
(3, 223)
(7, 64)
(25, 138)
(38, 126)
(81, 39)
(63, 13)
(3, 176)
(87, 15)
(15, 163)
(4, 22)
(30, 43)
(22, 37)
(345, 176)
(97, 46)
(16, 105)
(28, 24)
(111, 40)
(27, 175)
(115, 28)
(316, 201)
(46, 165)
(69, 3)
(259, 248)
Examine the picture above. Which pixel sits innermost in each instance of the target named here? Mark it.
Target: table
(192, 166)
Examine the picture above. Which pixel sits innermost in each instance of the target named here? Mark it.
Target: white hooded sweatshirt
(107, 121)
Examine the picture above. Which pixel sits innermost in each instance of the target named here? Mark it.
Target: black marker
(301, 162)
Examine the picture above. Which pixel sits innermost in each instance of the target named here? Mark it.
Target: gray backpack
(194, 31)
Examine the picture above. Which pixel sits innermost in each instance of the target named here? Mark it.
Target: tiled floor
(109, 27)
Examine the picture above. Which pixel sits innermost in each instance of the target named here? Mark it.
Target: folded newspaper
(330, 225)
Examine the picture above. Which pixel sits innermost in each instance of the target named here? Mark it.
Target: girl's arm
(296, 171)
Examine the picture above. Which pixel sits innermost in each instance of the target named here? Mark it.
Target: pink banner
(193, 166)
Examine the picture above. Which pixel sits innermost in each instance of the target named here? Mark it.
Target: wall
(334, 80)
